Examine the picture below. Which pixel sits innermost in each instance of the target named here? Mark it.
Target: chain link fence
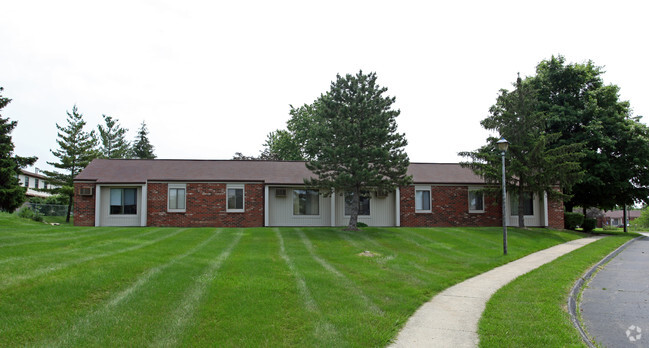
(49, 209)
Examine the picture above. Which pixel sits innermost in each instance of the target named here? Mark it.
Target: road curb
(576, 289)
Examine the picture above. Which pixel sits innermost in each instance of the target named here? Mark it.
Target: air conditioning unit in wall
(280, 192)
(85, 191)
(381, 193)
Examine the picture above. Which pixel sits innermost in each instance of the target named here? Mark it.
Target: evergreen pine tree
(142, 148)
(12, 195)
(76, 149)
(353, 143)
(113, 144)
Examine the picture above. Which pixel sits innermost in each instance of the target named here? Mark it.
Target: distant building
(34, 181)
(616, 217)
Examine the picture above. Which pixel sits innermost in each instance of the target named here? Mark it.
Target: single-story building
(228, 193)
(616, 217)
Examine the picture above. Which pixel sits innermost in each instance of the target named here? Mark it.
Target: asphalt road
(615, 305)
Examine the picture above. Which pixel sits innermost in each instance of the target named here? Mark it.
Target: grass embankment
(74, 286)
(532, 310)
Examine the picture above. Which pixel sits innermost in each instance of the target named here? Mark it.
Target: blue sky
(213, 78)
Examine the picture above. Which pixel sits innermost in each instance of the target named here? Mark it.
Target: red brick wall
(205, 206)
(555, 213)
(84, 206)
(450, 208)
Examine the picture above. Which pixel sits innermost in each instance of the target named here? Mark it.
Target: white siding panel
(280, 211)
(106, 219)
(382, 211)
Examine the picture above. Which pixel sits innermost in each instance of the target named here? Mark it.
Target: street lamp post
(502, 146)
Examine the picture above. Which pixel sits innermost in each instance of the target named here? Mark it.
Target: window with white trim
(235, 197)
(306, 202)
(476, 201)
(422, 199)
(177, 194)
(26, 181)
(123, 201)
(363, 203)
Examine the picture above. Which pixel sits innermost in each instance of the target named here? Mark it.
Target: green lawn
(532, 310)
(79, 286)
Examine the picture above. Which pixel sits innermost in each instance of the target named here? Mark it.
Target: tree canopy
(12, 195)
(351, 140)
(113, 143)
(581, 108)
(534, 163)
(76, 149)
(142, 148)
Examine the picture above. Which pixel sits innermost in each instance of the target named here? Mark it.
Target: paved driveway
(615, 305)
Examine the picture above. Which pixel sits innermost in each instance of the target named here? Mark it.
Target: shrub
(572, 220)
(361, 224)
(609, 227)
(589, 224)
(28, 213)
(25, 212)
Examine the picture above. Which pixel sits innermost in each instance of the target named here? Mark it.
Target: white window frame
(430, 197)
(475, 211)
(175, 187)
(234, 187)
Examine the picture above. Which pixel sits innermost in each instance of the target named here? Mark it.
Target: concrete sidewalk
(450, 319)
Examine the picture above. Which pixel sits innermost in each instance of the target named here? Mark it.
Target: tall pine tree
(353, 143)
(533, 164)
(76, 149)
(142, 148)
(12, 195)
(112, 141)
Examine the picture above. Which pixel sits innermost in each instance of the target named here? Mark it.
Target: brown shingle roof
(617, 214)
(110, 171)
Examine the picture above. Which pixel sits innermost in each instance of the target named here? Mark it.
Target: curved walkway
(451, 318)
(615, 304)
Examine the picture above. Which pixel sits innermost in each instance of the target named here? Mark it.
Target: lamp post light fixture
(502, 146)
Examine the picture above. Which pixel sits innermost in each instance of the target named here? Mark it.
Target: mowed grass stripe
(174, 325)
(108, 238)
(324, 331)
(345, 281)
(35, 240)
(90, 320)
(17, 279)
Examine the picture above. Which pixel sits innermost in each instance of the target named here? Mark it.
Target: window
(177, 197)
(306, 202)
(26, 181)
(123, 201)
(476, 201)
(45, 184)
(36, 183)
(528, 204)
(422, 199)
(235, 198)
(363, 203)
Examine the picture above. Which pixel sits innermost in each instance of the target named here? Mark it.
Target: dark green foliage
(584, 110)
(361, 224)
(238, 156)
(572, 220)
(350, 137)
(534, 163)
(589, 224)
(282, 145)
(142, 148)
(28, 213)
(12, 195)
(112, 141)
(76, 149)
